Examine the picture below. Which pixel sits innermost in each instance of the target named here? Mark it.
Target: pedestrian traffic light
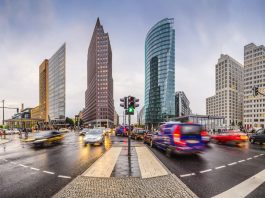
(124, 103)
(255, 90)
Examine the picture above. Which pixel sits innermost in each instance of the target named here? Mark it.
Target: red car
(230, 137)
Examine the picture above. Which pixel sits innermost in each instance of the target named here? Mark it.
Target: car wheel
(252, 141)
(168, 152)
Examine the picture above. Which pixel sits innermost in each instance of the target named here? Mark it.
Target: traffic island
(116, 175)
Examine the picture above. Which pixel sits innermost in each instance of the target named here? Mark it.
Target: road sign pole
(129, 136)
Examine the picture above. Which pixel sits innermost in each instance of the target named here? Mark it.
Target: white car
(84, 131)
(11, 131)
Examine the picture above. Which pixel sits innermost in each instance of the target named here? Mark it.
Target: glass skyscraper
(160, 73)
(56, 88)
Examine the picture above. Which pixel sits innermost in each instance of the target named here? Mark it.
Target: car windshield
(85, 130)
(191, 129)
(94, 131)
(141, 131)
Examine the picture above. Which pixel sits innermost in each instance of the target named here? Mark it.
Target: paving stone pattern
(126, 187)
(127, 167)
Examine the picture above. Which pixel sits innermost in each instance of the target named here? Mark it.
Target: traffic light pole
(129, 136)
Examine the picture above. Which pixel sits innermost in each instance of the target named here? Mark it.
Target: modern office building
(182, 104)
(141, 117)
(228, 99)
(254, 75)
(56, 87)
(43, 90)
(160, 73)
(99, 104)
(116, 119)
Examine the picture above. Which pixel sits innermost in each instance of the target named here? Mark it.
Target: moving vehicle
(259, 137)
(138, 134)
(148, 136)
(11, 131)
(46, 138)
(94, 136)
(122, 131)
(206, 138)
(84, 131)
(181, 138)
(229, 136)
(64, 130)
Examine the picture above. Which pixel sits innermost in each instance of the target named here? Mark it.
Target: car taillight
(204, 133)
(176, 136)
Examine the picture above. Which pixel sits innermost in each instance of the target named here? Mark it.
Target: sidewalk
(116, 175)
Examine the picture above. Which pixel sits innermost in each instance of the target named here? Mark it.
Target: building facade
(44, 90)
(116, 119)
(141, 117)
(160, 73)
(254, 75)
(56, 87)
(99, 103)
(228, 99)
(182, 104)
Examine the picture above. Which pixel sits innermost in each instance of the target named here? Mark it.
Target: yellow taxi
(46, 138)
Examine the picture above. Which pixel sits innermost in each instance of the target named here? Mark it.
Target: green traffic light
(130, 109)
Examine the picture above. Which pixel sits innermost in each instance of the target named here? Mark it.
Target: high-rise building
(43, 90)
(116, 119)
(99, 104)
(56, 86)
(160, 73)
(228, 99)
(182, 104)
(254, 75)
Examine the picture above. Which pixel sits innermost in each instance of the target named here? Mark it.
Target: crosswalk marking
(245, 187)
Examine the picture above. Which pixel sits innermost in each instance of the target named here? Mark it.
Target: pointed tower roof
(98, 22)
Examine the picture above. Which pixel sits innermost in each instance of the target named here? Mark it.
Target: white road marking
(23, 165)
(52, 173)
(63, 176)
(204, 171)
(231, 164)
(187, 175)
(245, 187)
(256, 156)
(36, 169)
(249, 158)
(5, 160)
(220, 167)
(13, 162)
(261, 154)
(241, 161)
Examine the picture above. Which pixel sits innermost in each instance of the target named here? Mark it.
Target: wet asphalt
(29, 172)
(225, 166)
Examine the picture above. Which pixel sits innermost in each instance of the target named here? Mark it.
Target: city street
(29, 172)
(218, 169)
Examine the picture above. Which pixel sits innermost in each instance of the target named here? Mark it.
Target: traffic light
(131, 104)
(17, 110)
(255, 90)
(124, 103)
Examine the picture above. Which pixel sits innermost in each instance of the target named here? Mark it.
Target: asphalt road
(218, 169)
(29, 172)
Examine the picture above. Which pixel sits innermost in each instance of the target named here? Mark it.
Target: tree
(69, 121)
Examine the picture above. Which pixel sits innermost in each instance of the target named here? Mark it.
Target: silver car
(94, 136)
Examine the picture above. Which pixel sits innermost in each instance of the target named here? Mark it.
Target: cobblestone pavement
(168, 186)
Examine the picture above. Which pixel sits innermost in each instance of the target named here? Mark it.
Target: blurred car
(94, 136)
(108, 130)
(46, 138)
(148, 136)
(206, 138)
(11, 131)
(138, 134)
(84, 131)
(258, 137)
(64, 130)
(122, 131)
(180, 138)
(229, 136)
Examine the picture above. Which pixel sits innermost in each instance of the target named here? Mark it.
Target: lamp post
(3, 112)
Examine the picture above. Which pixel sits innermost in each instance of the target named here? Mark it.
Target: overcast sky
(31, 31)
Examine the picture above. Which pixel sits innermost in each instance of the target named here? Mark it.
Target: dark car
(46, 138)
(148, 136)
(122, 131)
(259, 137)
(138, 134)
(174, 137)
